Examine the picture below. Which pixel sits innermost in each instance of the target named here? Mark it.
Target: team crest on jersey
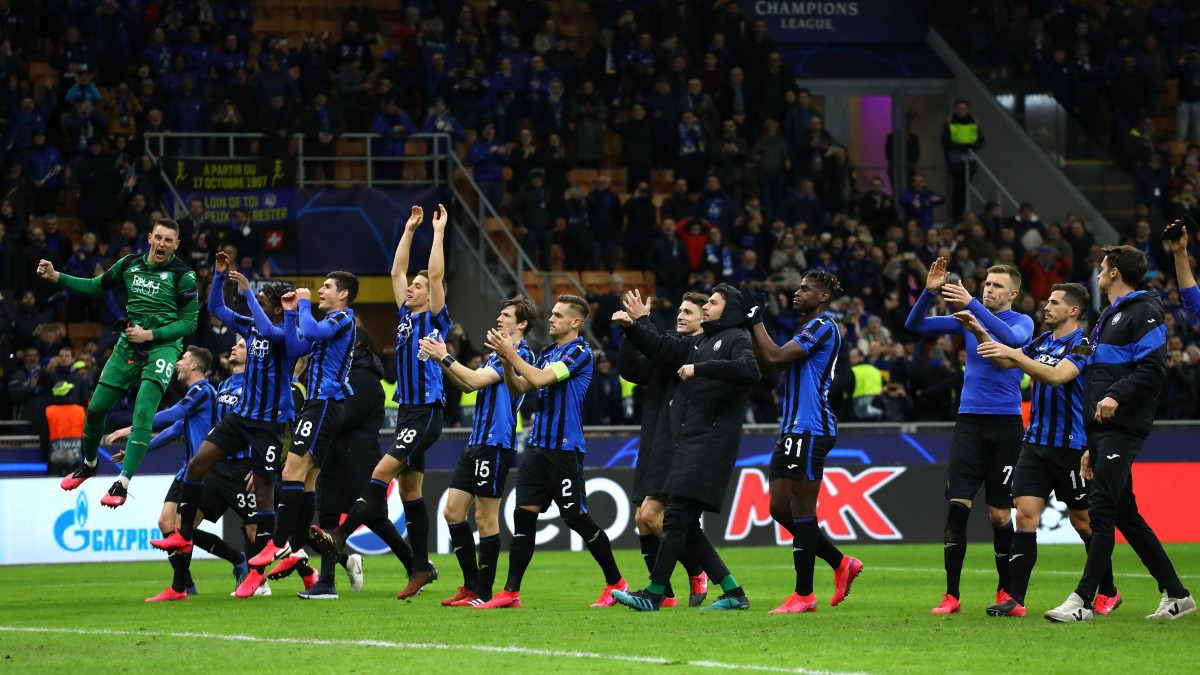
(717, 346)
(1116, 318)
(163, 276)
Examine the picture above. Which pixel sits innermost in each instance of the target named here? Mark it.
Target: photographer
(894, 402)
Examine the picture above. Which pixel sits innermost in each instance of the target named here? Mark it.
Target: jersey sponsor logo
(229, 399)
(261, 347)
(846, 503)
(144, 286)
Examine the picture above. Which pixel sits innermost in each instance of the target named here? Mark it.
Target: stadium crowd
(762, 191)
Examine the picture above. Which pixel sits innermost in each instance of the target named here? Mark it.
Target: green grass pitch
(92, 617)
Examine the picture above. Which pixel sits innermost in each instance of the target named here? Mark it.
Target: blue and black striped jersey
(190, 419)
(558, 421)
(495, 408)
(1056, 416)
(806, 382)
(332, 341)
(229, 392)
(419, 382)
(271, 354)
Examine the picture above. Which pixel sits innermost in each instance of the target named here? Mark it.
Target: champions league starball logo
(368, 542)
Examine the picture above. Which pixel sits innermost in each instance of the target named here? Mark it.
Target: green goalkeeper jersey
(162, 298)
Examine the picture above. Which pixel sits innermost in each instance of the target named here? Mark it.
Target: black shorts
(265, 440)
(800, 456)
(984, 453)
(1042, 469)
(481, 470)
(417, 428)
(346, 472)
(318, 422)
(547, 476)
(225, 489)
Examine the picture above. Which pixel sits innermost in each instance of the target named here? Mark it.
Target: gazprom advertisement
(69, 527)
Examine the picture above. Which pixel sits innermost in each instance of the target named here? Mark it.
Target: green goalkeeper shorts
(125, 368)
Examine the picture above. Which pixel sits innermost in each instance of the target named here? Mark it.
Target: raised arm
(216, 303)
(294, 344)
(917, 322)
(1011, 335)
(171, 433)
(667, 350)
(400, 262)
(437, 263)
(310, 328)
(633, 366)
(94, 287)
(1188, 293)
(465, 379)
(1054, 376)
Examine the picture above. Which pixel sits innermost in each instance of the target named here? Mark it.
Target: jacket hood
(734, 315)
(368, 361)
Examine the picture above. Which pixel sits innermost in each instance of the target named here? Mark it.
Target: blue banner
(353, 230)
(265, 207)
(807, 21)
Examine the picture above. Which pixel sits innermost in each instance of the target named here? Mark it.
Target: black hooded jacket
(355, 451)
(1128, 365)
(655, 447)
(707, 411)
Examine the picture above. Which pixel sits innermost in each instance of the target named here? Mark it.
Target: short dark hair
(728, 292)
(1014, 274)
(169, 224)
(581, 306)
(825, 281)
(1129, 261)
(345, 281)
(695, 298)
(275, 292)
(202, 357)
(1075, 295)
(523, 309)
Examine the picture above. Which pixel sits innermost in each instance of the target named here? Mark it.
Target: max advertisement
(860, 504)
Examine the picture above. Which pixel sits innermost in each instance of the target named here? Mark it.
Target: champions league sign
(797, 21)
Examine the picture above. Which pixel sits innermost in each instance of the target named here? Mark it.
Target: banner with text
(264, 188)
(71, 527)
(796, 21)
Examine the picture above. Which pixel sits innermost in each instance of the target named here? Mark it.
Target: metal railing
(493, 263)
(975, 166)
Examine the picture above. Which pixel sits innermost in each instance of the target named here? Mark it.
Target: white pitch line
(384, 644)
(969, 570)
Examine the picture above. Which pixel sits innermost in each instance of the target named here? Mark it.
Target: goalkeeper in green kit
(161, 310)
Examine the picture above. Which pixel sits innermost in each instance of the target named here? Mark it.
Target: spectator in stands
(717, 259)
(530, 212)
(912, 150)
(1045, 268)
(578, 238)
(31, 117)
(603, 65)
(276, 123)
(640, 225)
(28, 389)
(488, 155)
(34, 251)
(773, 162)
(44, 166)
(587, 115)
(788, 264)
(99, 183)
(441, 121)
(556, 164)
(639, 143)
(961, 136)
(748, 273)
(273, 80)
(730, 156)
(919, 201)
(524, 158)
(803, 206)
(669, 261)
(84, 89)
(393, 126)
(124, 242)
(690, 157)
(122, 110)
(605, 216)
(716, 206)
(189, 113)
(812, 146)
(55, 240)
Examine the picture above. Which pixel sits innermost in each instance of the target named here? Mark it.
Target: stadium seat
(595, 281)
